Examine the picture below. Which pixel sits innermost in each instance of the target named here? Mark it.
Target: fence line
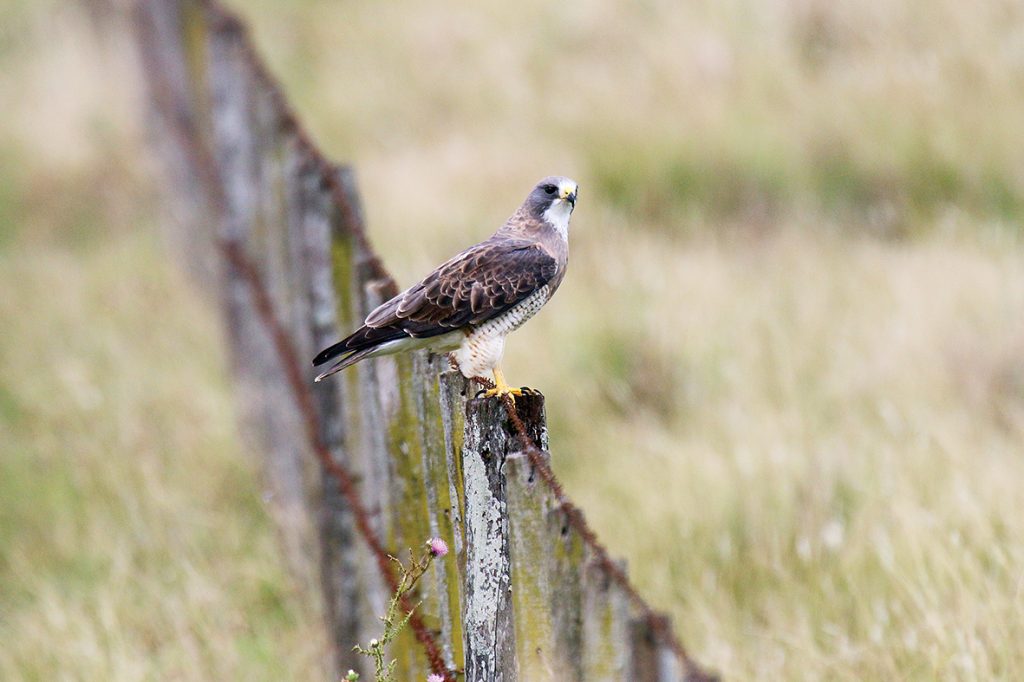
(187, 137)
(299, 387)
(658, 623)
(401, 427)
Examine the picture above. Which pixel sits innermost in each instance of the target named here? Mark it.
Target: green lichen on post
(359, 423)
(443, 513)
(345, 289)
(452, 406)
(194, 32)
(605, 610)
(406, 446)
(344, 280)
(528, 504)
(566, 564)
(347, 292)
(451, 386)
(409, 513)
(600, 665)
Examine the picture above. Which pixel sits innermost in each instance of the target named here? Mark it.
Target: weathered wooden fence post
(539, 604)
(487, 606)
(391, 452)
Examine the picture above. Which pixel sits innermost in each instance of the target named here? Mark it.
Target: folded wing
(478, 284)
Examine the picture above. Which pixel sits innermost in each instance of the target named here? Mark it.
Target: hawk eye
(549, 189)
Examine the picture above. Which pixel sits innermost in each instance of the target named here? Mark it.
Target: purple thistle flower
(438, 547)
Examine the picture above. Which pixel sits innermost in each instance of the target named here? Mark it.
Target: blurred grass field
(785, 373)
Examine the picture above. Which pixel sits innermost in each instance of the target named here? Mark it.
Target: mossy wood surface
(520, 596)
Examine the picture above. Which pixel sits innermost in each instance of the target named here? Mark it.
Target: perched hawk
(470, 303)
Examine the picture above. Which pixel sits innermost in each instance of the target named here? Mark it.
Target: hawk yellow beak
(568, 192)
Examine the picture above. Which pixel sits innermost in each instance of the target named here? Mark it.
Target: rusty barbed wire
(226, 22)
(658, 623)
(298, 384)
(183, 127)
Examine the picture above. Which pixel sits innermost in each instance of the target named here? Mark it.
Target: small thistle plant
(394, 620)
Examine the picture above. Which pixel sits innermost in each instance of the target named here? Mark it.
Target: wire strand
(184, 128)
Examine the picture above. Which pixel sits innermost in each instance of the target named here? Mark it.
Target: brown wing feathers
(480, 283)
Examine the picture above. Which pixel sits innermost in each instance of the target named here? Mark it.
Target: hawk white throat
(471, 302)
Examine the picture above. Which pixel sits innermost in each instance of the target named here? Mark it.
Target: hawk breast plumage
(471, 302)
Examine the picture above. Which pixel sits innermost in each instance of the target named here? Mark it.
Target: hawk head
(553, 200)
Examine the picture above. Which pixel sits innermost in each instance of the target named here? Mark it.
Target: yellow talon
(501, 387)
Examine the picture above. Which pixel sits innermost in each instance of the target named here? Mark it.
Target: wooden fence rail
(392, 451)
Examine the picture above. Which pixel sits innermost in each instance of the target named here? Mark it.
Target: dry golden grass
(805, 463)
(785, 374)
(134, 541)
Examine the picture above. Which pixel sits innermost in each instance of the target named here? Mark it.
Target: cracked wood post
(537, 604)
(489, 636)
